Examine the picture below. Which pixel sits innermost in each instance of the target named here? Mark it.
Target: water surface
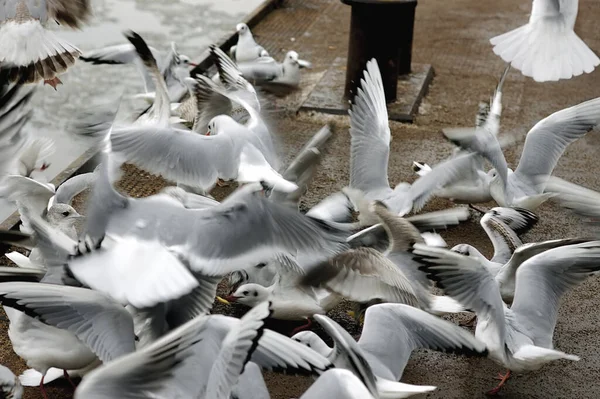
(192, 24)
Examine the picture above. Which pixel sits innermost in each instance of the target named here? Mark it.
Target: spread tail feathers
(536, 355)
(35, 53)
(546, 50)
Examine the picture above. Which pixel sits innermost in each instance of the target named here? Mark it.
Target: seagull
(289, 300)
(22, 153)
(503, 227)
(242, 231)
(163, 366)
(519, 337)
(270, 74)
(547, 48)
(544, 145)
(10, 386)
(474, 184)
(202, 356)
(65, 327)
(366, 274)
(173, 66)
(246, 48)
(370, 150)
(391, 332)
(30, 51)
(337, 384)
(159, 113)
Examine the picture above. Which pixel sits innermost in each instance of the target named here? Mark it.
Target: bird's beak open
(228, 300)
(44, 166)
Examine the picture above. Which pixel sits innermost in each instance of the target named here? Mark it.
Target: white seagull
(519, 337)
(547, 48)
(30, 51)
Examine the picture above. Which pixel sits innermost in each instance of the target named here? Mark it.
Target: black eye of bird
(308, 345)
(245, 292)
(65, 213)
(255, 293)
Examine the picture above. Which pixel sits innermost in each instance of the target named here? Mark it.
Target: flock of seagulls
(122, 295)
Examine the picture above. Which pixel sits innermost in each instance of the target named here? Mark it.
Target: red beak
(192, 64)
(44, 166)
(231, 298)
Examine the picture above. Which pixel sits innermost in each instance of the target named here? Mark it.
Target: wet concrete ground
(454, 39)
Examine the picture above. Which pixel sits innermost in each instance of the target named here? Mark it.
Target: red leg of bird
(44, 394)
(503, 379)
(53, 82)
(66, 375)
(302, 327)
(223, 183)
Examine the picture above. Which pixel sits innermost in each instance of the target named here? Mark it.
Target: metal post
(380, 29)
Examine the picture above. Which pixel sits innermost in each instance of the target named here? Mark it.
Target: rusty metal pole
(380, 29)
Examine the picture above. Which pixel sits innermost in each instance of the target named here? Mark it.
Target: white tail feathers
(535, 355)
(440, 305)
(393, 390)
(32, 378)
(546, 50)
(28, 43)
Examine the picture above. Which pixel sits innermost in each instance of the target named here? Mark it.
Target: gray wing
(150, 370)
(548, 139)
(370, 134)
(196, 303)
(347, 351)
(209, 102)
(189, 200)
(104, 326)
(262, 70)
(15, 112)
(520, 220)
(336, 207)
(28, 194)
(12, 274)
(229, 73)
(236, 350)
(439, 220)
(118, 54)
(527, 251)
(275, 351)
(69, 12)
(74, 186)
(338, 384)
(504, 239)
(468, 281)
(255, 230)
(483, 142)
(404, 329)
(364, 274)
(251, 384)
(442, 174)
(160, 110)
(303, 166)
(543, 279)
(177, 155)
